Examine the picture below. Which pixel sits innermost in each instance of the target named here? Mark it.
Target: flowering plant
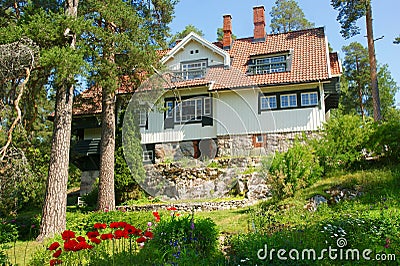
(99, 240)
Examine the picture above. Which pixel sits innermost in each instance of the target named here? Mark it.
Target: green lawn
(379, 199)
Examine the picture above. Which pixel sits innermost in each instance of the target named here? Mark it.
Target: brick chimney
(227, 28)
(259, 23)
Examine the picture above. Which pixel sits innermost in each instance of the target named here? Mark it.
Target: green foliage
(182, 240)
(397, 40)
(349, 13)
(356, 88)
(287, 16)
(343, 142)
(8, 234)
(384, 141)
(292, 170)
(126, 187)
(186, 31)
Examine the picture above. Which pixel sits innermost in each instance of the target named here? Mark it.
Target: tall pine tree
(350, 11)
(132, 31)
(287, 16)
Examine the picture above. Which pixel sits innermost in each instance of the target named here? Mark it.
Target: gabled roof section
(194, 37)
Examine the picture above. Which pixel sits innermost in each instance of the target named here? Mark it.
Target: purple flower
(192, 226)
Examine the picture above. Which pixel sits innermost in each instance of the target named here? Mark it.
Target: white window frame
(198, 104)
(142, 118)
(268, 65)
(147, 156)
(289, 103)
(308, 96)
(207, 106)
(259, 140)
(188, 69)
(267, 99)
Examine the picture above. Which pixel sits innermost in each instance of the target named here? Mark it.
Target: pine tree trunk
(372, 62)
(106, 198)
(55, 202)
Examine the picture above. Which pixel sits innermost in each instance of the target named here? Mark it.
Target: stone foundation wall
(242, 145)
(176, 181)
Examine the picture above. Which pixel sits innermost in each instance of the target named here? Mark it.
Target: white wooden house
(254, 90)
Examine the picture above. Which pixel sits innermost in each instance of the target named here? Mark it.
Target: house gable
(194, 48)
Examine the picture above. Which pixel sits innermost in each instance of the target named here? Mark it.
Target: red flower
(148, 234)
(130, 229)
(106, 236)
(95, 240)
(57, 253)
(54, 246)
(122, 224)
(55, 262)
(141, 239)
(80, 239)
(177, 214)
(70, 245)
(172, 208)
(157, 216)
(83, 245)
(100, 226)
(92, 234)
(114, 225)
(120, 234)
(67, 235)
(138, 232)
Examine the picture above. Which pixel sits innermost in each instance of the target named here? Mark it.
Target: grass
(288, 224)
(22, 251)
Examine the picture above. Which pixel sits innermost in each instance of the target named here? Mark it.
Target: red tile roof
(309, 64)
(309, 61)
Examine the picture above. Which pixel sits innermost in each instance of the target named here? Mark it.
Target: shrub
(385, 142)
(8, 234)
(292, 170)
(182, 240)
(344, 142)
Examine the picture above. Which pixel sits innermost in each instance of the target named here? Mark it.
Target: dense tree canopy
(356, 96)
(182, 34)
(350, 11)
(287, 16)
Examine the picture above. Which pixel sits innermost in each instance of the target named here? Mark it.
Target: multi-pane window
(309, 99)
(192, 109)
(267, 65)
(188, 110)
(288, 100)
(193, 70)
(268, 102)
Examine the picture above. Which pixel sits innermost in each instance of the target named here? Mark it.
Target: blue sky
(207, 16)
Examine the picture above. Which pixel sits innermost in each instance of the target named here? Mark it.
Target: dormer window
(268, 64)
(194, 69)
